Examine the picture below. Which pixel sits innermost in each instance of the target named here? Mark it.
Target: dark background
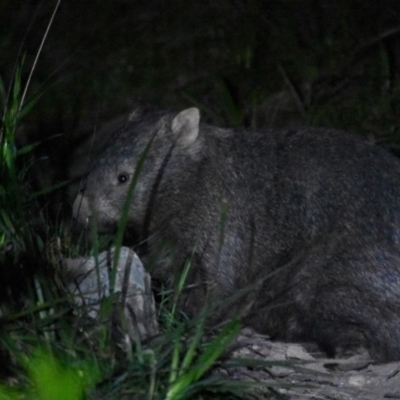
(243, 63)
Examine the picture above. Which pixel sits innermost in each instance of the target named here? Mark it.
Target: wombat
(308, 218)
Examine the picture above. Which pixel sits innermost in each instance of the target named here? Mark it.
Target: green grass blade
(193, 369)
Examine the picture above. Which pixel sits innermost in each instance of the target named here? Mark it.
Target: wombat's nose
(81, 210)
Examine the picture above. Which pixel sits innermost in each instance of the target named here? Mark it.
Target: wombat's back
(309, 183)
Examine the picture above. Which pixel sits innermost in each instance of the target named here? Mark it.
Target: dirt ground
(311, 376)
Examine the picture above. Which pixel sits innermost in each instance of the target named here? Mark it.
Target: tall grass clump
(15, 229)
(16, 232)
(40, 354)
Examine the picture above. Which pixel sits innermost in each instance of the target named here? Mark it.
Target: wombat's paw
(350, 359)
(346, 350)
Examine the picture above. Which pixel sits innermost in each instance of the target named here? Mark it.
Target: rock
(89, 282)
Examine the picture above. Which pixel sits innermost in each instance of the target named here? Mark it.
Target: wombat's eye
(122, 178)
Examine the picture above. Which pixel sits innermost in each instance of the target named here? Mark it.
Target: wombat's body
(309, 217)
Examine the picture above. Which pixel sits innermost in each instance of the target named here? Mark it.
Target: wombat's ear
(186, 126)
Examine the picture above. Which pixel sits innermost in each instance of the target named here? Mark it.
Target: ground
(312, 376)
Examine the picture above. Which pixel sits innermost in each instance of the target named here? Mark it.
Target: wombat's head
(138, 165)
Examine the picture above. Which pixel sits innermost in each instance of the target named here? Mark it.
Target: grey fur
(312, 224)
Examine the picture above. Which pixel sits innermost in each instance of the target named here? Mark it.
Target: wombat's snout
(80, 209)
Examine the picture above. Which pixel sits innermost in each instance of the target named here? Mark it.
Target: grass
(13, 199)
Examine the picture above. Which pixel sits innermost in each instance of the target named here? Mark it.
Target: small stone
(297, 352)
(357, 380)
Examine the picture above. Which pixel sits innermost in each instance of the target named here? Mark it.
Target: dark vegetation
(243, 63)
